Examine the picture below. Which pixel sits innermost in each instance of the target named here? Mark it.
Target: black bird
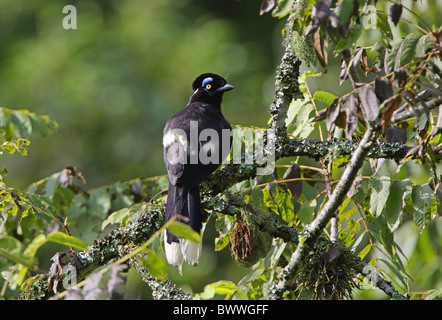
(196, 140)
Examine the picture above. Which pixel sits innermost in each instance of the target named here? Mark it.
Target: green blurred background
(112, 83)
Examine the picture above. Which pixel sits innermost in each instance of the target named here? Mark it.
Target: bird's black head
(209, 88)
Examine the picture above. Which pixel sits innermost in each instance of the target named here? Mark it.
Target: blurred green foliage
(112, 83)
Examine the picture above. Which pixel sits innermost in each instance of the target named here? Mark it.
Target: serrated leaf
(425, 42)
(390, 60)
(184, 231)
(408, 48)
(64, 239)
(307, 211)
(350, 108)
(380, 190)
(422, 198)
(284, 203)
(342, 12)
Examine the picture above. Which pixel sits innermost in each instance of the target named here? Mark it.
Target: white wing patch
(175, 135)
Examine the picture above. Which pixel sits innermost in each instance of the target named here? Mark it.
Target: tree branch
(161, 289)
(101, 252)
(286, 276)
(379, 282)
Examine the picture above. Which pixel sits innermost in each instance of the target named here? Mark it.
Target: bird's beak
(225, 87)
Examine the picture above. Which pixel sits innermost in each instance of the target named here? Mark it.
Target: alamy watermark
(70, 20)
(371, 277)
(369, 17)
(250, 146)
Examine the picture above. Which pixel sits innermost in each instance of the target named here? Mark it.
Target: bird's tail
(185, 206)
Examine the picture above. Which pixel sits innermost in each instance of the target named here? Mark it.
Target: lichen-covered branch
(315, 149)
(286, 276)
(286, 89)
(101, 252)
(405, 113)
(161, 289)
(379, 282)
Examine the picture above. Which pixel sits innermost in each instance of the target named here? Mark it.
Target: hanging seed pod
(242, 243)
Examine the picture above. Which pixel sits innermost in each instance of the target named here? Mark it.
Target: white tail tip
(173, 252)
(191, 251)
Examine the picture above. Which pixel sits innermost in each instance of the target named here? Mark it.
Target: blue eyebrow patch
(207, 80)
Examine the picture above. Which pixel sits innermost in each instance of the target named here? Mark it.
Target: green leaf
(51, 185)
(298, 118)
(38, 124)
(325, 97)
(402, 51)
(182, 230)
(220, 287)
(408, 47)
(13, 249)
(99, 203)
(307, 211)
(70, 241)
(272, 258)
(281, 202)
(391, 54)
(351, 40)
(422, 198)
(344, 11)
(223, 225)
(394, 204)
(155, 265)
(116, 218)
(36, 243)
(425, 42)
(22, 123)
(364, 251)
(383, 25)
(283, 8)
(380, 189)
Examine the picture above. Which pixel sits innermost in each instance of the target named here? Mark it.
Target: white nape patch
(175, 135)
(191, 251)
(173, 252)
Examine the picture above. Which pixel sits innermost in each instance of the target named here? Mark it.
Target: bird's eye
(208, 86)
